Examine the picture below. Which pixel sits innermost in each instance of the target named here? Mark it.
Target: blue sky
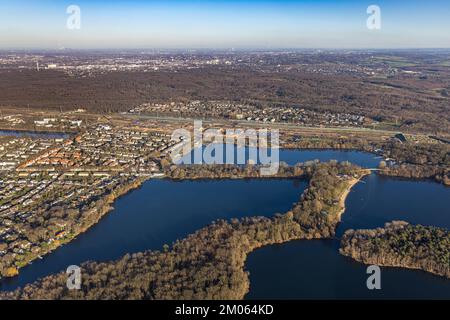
(225, 24)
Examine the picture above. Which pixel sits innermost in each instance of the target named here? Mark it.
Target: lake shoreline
(345, 194)
(21, 130)
(85, 226)
(365, 246)
(241, 236)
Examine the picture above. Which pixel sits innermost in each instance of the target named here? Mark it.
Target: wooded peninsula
(400, 244)
(209, 264)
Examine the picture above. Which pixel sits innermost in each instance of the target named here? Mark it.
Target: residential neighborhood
(250, 113)
(51, 189)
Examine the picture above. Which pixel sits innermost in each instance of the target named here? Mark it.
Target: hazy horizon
(224, 24)
(218, 50)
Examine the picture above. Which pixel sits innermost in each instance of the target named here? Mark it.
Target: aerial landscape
(167, 164)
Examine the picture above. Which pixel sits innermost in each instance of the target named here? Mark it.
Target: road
(259, 124)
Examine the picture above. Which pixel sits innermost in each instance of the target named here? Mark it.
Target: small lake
(316, 270)
(293, 156)
(34, 134)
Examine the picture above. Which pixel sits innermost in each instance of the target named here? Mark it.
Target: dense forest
(206, 171)
(400, 244)
(418, 161)
(208, 264)
(440, 174)
(409, 102)
(419, 154)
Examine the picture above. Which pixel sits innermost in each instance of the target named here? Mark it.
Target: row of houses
(229, 110)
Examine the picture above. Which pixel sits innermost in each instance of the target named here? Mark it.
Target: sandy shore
(344, 195)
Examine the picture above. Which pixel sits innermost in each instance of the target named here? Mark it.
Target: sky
(266, 24)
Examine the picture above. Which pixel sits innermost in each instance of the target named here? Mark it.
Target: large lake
(162, 211)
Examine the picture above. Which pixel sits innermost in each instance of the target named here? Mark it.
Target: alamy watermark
(374, 20)
(217, 146)
(374, 280)
(74, 277)
(74, 20)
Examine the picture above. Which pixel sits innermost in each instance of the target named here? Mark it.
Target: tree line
(400, 244)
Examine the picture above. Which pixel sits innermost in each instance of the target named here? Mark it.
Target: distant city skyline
(223, 24)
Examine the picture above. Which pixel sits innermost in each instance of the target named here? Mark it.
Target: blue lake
(34, 134)
(290, 156)
(316, 270)
(162, 211)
